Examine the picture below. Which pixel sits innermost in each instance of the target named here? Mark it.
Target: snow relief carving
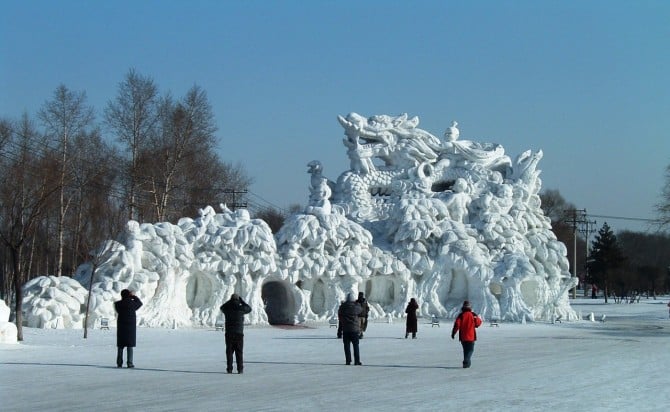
(438, 219)
(8, 331)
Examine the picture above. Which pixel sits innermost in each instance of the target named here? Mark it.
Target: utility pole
(586, 228)
(234, 192)
(574, 217)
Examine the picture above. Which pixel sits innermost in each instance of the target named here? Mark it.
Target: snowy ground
(578, 366)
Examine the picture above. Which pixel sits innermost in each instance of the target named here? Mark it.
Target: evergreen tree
(606, 260)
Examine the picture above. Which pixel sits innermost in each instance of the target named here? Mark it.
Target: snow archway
(279, 302)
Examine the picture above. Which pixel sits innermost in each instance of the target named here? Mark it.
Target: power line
(636, 219)
(271, 205)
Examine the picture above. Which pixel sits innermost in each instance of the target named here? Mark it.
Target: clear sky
(585, 81)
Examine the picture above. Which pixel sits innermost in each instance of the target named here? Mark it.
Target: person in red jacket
(465, 324)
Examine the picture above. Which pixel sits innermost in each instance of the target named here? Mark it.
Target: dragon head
(393, 142)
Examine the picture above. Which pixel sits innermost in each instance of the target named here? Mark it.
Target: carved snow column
(168, 306)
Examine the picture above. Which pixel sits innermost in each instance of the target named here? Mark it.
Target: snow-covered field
(620, 364)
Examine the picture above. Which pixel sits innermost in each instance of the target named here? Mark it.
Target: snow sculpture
(8, 331)
(461, 215)
(439, 219)
(54, 302)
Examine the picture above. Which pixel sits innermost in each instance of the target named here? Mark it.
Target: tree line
(619, 265)
(72, 181)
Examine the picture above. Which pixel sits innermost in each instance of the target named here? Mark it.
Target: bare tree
(23, 197)
(93, 184)
(134, 117)
(557, 208)
(554, 204)
(97, 256)
(64, 117)
(187, 130)
(663, 206)
(647, 257)
(6, 131)
(209, 181)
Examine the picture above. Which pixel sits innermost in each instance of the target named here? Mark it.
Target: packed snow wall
(438, 219)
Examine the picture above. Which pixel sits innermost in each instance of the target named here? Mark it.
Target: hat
(234, 296)
(350, 297)
(466, 304)
(361, 294)
(125, 293)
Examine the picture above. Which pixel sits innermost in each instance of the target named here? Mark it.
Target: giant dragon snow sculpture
(438, 219)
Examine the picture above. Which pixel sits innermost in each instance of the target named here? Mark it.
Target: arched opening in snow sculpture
(496, 289)
(381, 290)
(318, 297)
(198, 288)
(529, 292)
(458, 290)
(279, 302)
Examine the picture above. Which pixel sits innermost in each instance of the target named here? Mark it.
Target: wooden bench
(434, 321)
(219, 325)
(104, 323)
(332, 322)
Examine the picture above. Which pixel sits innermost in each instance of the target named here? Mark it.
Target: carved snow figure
(53, 302)
(441, 220)
(457, 202)
(8, 331)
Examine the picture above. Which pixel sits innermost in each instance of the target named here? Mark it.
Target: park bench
(104, 323)
(434, 321)
(219, 325)
(332, 322)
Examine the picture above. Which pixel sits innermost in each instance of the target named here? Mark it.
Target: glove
(452, 335)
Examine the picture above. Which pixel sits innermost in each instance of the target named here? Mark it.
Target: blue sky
(585, 81)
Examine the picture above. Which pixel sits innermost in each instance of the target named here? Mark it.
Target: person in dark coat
(339, 324)
(126, 326)
(411, 323)
(349, 314)
(364, 314)
(465, 324)
(234, 311)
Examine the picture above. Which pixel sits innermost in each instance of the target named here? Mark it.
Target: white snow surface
(570, 366)
(439, 219)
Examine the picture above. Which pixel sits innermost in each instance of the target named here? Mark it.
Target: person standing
(339, 324)
(349, 314)
(465, 324)
(126, 326)
(234, 311)
(364, 314)
(411, 325)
